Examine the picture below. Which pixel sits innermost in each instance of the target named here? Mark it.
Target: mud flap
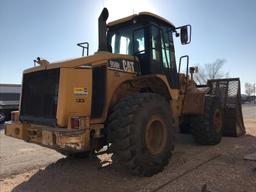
(229, 92)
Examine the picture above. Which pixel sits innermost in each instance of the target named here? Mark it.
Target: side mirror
(185, 34)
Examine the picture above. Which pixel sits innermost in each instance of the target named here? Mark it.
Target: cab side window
(155, 36)
(139, 42)
(165, 46)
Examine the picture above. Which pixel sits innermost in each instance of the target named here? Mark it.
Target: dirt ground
(193, 168)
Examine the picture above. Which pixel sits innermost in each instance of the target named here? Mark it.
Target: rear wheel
(140, 133)
(207, 128)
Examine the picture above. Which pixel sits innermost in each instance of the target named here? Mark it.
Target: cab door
(162, 54)
(168, 57)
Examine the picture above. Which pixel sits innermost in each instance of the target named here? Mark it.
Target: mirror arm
(190, 33)
(177, 34)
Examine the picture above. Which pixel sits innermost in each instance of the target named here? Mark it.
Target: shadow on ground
(69, 174)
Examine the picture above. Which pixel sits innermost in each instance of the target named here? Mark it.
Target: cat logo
(123, 65)
(128, 66)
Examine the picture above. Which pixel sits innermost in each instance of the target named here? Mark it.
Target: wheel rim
(217, 121)
(155, 135)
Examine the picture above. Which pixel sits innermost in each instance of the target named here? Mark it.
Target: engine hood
(97, 59)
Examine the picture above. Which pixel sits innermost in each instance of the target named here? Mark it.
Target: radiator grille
(40, 96)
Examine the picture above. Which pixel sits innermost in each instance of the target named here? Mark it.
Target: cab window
(155, 35)
(139, 42)
(127, 42)
(165, 46)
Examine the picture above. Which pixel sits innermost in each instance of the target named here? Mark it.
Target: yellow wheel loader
(129, 96)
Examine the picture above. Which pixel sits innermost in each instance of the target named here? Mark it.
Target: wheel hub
(155, 135)
(217, 121)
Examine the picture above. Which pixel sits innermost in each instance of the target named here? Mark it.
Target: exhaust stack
(103, 30)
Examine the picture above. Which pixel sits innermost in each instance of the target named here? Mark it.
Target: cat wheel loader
(129, 96)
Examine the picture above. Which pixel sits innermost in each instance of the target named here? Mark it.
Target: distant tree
(249, 89)
(211, 71)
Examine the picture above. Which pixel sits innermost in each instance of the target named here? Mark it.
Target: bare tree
(249, 88)
(211, 71)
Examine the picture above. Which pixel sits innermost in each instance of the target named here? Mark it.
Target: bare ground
(27, 167)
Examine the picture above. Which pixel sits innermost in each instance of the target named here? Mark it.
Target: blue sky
(51, 29)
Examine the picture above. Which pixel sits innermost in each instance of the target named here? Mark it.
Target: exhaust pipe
(103, 30)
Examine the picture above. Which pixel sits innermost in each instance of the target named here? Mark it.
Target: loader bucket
(229, 92)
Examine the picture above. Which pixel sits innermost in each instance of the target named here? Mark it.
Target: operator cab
(149, 37)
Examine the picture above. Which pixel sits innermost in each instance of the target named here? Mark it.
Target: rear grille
(40, 96)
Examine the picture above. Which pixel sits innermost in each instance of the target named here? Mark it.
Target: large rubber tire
(207, 129)
(140, 133)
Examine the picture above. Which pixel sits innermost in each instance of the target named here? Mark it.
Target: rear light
(75, 122)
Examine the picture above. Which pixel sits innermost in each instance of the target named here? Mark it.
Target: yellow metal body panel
(50, 137)
(74, 97)
(17, 130)
(47, 138)
(173, 92)
(114, 80)
(194, 100)
(93, 60)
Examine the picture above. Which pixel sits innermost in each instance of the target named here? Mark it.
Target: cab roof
(141, 14)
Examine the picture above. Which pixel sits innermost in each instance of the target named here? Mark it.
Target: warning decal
(78, 91)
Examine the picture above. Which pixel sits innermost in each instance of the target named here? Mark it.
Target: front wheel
(207, 128)
(140, 133)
